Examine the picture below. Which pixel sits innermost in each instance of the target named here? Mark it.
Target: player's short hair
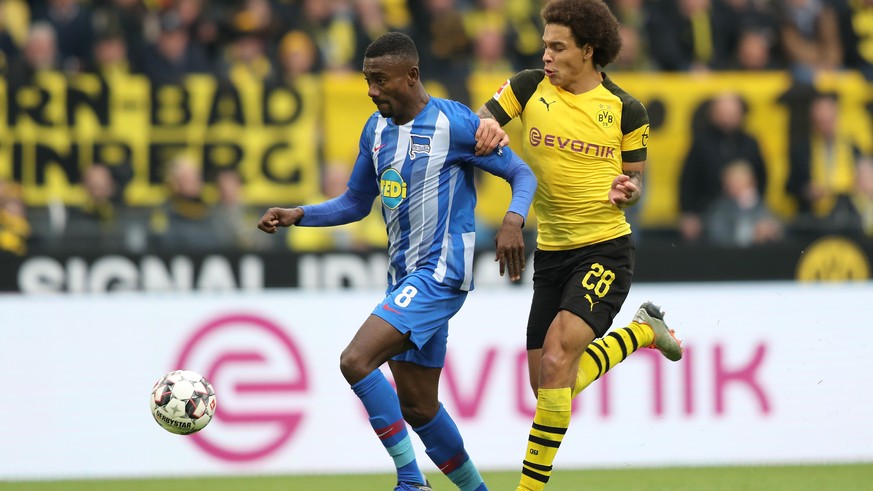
(591, 22)
(393, 44)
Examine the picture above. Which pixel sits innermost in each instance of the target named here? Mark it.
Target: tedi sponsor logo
(537, 138)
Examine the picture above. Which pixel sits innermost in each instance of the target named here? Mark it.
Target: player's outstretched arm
(279, 217)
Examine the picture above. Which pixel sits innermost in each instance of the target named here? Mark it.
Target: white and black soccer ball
(183, 402)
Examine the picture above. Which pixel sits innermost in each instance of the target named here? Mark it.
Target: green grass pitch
(856, 477)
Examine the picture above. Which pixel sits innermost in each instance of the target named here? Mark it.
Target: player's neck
(416, 105)
(587, 80)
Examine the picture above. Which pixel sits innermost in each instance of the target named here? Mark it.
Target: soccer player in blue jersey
(417, 156)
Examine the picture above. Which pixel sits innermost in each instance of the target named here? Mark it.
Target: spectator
(505, 35)
(330, 25)
(40, 54)
(526, 42)
(754, 39)
(246, 56)
(201, 21)
(369, 23)
(233, 219)
(110, 53)
(173, 56)
(102, 220)
(632, 16)
(754, 51)
(810, 37)
(297, 56)
(266, 17)
(688, 35)
(855, 34)
(739, 217)
(822, 173)
(445, 47)
(12, 34)
(71, 21)
(128, 17)
(184, 221)
(14, 226)
(717, 141)
(489, 52)
(862, 197)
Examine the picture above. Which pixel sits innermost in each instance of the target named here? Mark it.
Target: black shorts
(591, 282)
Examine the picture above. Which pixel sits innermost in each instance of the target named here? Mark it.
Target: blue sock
(383, 407)
(445, 447)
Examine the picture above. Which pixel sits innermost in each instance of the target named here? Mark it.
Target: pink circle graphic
(287, 422)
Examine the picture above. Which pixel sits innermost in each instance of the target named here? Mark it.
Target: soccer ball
(182, 402)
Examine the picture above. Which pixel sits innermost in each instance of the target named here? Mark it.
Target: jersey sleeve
(502, 163)
(635, 130)
(363, 178)
(509, 100)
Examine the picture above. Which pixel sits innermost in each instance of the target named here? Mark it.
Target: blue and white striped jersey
(423, 172)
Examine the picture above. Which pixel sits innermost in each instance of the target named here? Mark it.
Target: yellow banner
(55, 128)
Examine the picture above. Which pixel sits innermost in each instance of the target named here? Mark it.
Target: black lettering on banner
(277, 151)
(225, 155)
(112, 153)
(88, 93)
(28, 102)
(226, 106)
(171, 105)
(282, 105)
(30, 163)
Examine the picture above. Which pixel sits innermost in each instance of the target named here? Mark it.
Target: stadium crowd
(723, 184)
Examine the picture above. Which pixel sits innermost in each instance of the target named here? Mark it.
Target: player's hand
(489, 136)
(510, 246)
(279, 217)
(623, 191)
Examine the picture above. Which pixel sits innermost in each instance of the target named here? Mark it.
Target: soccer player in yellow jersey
(585, 139)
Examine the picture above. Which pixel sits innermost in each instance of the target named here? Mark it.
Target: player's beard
(385, 109)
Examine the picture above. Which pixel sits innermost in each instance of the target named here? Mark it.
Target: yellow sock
(550, 423)
(609, 351)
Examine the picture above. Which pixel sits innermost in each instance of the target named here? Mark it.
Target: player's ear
(412, 75)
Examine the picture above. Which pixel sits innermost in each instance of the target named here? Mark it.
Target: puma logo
(591, 301)
(547, 103)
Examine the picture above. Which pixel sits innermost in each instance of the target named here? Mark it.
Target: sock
(551, 420)
(383, 407)
(444, 446)
(604, 353)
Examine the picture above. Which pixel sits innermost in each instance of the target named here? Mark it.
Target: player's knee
(352, 366)
(418, 414)
(552, 366)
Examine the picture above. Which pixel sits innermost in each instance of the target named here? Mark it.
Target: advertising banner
(830, 258)
(774, 373)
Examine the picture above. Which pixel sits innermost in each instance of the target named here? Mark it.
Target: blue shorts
(422, 307)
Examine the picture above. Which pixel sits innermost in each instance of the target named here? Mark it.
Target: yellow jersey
(575, 144)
